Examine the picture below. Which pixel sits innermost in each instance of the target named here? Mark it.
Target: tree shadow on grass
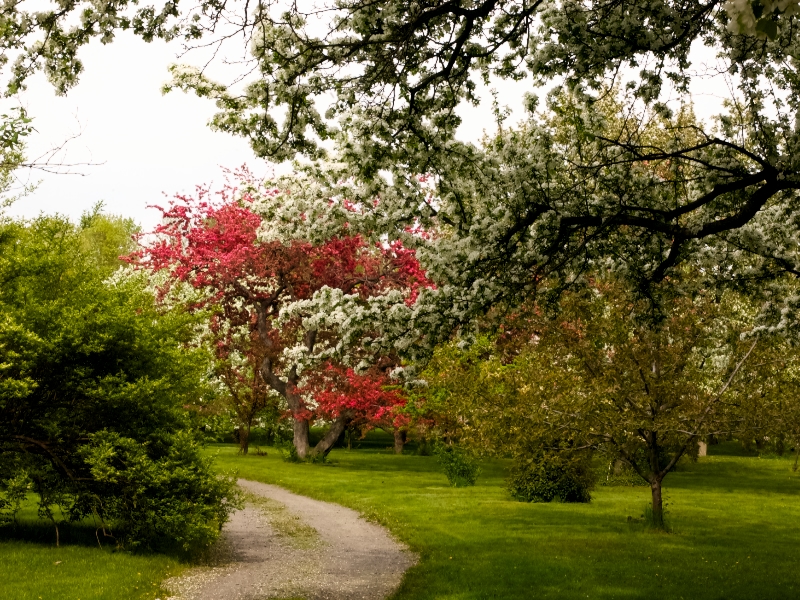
(755, 475)
(43, 532)
(86, 534)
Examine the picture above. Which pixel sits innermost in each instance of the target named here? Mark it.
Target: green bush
(162, 492)
(461, 469)
(95, 378)
(288, 451)
(547, 476)
(424, 448)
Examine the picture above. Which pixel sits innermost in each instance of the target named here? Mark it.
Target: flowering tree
(395, 74)
(367, 399)
(570, 191)
(640, 187)
(214, 247)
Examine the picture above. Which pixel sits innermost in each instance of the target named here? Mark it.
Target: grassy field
(735, 528)
(32, 568)
(735, 524)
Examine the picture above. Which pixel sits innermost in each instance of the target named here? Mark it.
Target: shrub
(424, 448)
(461, 469)
(160, 493)
(288, 451)
(13, 492)
(94, 380)
(546, 476)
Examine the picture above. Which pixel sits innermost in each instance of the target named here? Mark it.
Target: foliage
(214, 250)
(461, 469)
(637, 184)
(602, 375)
(616, 171)
(237, 359)
(15, 491)
(546, 476)
(15, 127)
(485, 261)
(641, 185)
(370, 395)
(404, 115)
(93, 377)
(174, 495)
(760, 18)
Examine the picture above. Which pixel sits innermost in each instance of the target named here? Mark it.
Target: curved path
(347, 558)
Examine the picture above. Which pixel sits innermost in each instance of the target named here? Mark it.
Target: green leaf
(767, 27)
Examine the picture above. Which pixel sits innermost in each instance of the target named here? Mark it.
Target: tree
(637, 184)
(598, 376)
(215, 248)
(398, 72)
(237, 360)
(367, 399)
(93, 377)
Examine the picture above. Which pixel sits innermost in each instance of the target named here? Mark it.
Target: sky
(134, 146)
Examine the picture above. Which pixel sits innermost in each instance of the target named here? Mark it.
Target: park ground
(735, 530)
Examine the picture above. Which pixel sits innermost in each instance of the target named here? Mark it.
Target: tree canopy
(613, 170)
(384, 82)
(213, 249)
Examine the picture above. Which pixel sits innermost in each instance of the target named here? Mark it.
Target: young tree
(238, 356)
(93, 377)
(602, 375)
(215, 248)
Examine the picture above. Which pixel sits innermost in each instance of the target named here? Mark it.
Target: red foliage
(369, 395)
(214, 246)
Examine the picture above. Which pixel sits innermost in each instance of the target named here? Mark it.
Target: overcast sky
(146, 145)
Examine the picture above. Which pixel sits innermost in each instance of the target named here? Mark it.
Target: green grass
(735, 528)
(734, 520)
(32, 567)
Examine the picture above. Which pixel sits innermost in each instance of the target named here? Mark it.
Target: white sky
(148, 144)
(151, 145)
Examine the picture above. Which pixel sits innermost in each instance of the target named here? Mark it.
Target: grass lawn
(31, 567)
(735, 520)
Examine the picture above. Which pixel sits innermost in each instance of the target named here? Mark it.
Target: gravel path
(268, 550)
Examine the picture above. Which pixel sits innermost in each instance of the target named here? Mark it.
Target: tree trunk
(337, 427)
(658, 504)
(702, 449)
(287, 390)
(244, 439)
(400, 436)
(300, 428)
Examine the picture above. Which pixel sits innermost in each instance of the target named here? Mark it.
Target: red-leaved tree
(213, 246)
